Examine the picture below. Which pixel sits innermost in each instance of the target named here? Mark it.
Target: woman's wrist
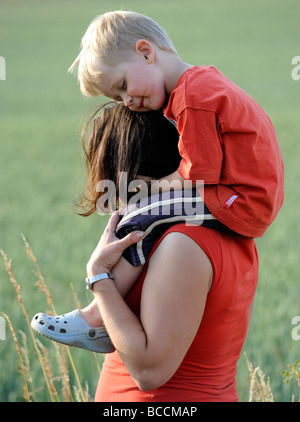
(93, 270)
(102, 285)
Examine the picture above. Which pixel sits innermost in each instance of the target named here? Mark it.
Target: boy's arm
(172, 177)
(173, 181)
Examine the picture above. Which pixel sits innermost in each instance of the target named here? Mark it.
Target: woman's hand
(109, 249)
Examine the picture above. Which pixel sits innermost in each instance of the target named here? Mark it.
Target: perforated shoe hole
(92, 333)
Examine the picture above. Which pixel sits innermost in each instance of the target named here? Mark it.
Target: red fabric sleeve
(199, 146)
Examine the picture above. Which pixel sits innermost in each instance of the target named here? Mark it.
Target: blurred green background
(41, 162)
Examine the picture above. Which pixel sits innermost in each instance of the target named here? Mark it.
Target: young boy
(226, 139)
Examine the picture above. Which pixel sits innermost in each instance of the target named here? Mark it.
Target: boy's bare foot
(91, 314)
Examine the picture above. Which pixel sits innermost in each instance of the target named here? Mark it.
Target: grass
(41, 165)
(61, 352)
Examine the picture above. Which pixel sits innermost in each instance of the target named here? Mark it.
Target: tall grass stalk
(259, 390)
(41, 351)
(25, 354)
(46, 362)
(22, 366)
(41, 284)
(20, 300)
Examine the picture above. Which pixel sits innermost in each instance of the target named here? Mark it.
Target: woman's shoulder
(202, 237)
(219, 247)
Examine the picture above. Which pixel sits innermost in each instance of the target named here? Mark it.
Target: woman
(180, 331)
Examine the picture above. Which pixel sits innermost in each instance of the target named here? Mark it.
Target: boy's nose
(128, 101)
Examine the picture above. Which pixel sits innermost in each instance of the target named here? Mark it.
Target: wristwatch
(90, 281)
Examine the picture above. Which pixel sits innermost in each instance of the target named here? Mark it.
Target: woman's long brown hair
(116, 139)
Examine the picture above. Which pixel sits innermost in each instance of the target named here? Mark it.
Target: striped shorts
(155, 214)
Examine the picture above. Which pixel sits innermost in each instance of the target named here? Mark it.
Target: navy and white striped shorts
(155, 214)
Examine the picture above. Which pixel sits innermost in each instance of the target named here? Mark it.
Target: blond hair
(110, 37)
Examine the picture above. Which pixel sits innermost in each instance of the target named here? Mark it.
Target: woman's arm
(172, 304)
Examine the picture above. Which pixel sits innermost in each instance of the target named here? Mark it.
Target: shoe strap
(95, 333)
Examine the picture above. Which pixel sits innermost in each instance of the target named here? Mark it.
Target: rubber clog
(71, 329)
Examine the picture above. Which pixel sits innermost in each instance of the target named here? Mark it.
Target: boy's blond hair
(112, 37)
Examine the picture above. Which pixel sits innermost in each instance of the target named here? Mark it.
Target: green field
(41, 162)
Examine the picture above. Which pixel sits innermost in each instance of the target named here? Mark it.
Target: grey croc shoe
(71, 329)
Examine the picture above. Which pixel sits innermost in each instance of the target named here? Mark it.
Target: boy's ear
(145, 48)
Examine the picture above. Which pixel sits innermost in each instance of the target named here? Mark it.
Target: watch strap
(98, 277)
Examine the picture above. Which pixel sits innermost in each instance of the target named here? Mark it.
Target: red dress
(208, 370)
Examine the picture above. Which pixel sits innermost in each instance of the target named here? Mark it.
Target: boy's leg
(85, 329)
(92, 315)
(125, 276)
(153, 215)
